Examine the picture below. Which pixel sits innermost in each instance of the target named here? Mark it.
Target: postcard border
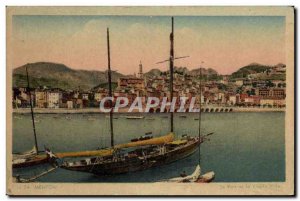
(161, 189)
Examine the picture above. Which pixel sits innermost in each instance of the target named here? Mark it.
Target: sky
(222, 43)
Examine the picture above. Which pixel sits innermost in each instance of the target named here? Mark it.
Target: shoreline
(125, 110)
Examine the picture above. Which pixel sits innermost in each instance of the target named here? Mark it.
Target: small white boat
(189, 178)
(206, 178)
(194, 177)
(134, 117)
(17, 117)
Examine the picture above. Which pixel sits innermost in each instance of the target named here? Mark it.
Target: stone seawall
(125, 110)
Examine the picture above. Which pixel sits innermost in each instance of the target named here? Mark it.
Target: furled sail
(101, 152)
(153, 141)
(107, 152)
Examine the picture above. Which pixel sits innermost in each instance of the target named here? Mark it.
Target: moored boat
(134, 117)
(29, 161)
(136, 160)
(30, 158)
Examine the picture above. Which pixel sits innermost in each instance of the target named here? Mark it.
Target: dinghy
(190, 178)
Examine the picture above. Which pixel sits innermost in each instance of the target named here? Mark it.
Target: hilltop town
(254, 85)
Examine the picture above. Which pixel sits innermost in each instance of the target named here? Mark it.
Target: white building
(54, 99)
(249, 100)
(221, 97)
(232, 99)
(202, 99)
(239, 82)
(70, 105)
(85, 96)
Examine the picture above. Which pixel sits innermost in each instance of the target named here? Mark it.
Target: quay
(205, 109)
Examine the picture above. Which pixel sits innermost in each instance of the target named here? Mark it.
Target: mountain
(59, 76)
(183, 70)
(251, 68)
(204, 71)
(280, 65)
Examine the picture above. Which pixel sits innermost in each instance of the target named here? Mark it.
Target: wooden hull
(40, 159)
(137, 164)
(36, 160)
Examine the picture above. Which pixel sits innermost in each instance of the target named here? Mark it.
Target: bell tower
(140, 73)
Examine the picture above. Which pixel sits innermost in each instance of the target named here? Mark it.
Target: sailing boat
(31, 157)
(196, 175)
(145, 156)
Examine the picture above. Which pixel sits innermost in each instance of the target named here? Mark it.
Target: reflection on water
(246, 147)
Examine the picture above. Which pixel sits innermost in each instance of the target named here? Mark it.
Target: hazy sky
(222, 43)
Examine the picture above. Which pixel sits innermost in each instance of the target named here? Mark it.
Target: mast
(171, 70)
(32, 116)
(110, 93)
(200, 113)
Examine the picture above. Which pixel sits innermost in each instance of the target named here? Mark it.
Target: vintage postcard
(150, 101)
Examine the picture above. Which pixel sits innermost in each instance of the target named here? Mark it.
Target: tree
(269, 84)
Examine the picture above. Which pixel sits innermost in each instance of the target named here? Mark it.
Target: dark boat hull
(137, 164)
(31, 162)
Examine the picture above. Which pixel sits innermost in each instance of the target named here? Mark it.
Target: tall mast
(200, 113)
(171, 70)
(110, 93)
(32, 116)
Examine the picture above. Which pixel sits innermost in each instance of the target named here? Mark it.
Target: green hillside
(59, 76)
(251, 68)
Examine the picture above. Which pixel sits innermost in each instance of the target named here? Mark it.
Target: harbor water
(245, 147)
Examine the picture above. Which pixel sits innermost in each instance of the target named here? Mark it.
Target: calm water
(246, 147)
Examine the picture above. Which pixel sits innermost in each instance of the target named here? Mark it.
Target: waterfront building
(40, 98)
(70, 104)
(252, 100)
(264, 92)
(278, 93)
(79, 103)
(232, 99)
(272, 92)
(54, 98)
(267, 102)
(84, 96)
(221, 97)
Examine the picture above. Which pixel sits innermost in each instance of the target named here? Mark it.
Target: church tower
(140, 73)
